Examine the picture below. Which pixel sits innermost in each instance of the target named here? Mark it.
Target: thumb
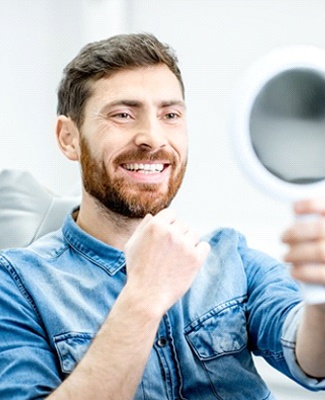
(203, 249)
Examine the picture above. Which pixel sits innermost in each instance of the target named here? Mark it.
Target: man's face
(133, 142)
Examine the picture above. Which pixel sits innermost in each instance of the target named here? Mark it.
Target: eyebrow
(139, 104)
(180, 103)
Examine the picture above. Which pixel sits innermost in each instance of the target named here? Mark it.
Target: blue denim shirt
(55, 294)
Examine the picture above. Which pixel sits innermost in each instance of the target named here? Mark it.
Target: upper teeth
(145, 167)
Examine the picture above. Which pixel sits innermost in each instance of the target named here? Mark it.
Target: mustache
(146, 155)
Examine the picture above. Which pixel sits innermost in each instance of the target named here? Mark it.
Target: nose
(150, 133)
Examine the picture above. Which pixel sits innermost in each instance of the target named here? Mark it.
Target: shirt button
(162, 342)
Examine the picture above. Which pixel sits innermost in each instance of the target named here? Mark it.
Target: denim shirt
(55, 295)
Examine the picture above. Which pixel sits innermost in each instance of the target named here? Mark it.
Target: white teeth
(145, 168)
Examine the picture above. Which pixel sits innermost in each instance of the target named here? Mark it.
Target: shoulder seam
(16, 278)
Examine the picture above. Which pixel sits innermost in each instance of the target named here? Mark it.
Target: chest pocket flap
(71, 347)
(220, 332)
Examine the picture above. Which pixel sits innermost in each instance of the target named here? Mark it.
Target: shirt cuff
(288, 340)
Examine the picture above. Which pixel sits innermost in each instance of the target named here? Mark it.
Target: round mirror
(279, 123)
(278, 128)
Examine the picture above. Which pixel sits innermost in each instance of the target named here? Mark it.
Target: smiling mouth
(145, 168)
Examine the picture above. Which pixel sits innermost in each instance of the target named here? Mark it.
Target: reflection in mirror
(287, 126)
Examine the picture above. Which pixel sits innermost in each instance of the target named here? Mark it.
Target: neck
(105, 225)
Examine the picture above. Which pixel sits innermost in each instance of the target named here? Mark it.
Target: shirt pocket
(219, 341)
(71, 347)
(221, 331)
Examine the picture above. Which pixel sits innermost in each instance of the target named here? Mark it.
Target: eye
(122, 115)
(171, 115)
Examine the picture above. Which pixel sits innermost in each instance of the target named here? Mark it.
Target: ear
(67, 135)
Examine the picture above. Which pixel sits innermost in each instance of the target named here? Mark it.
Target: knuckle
(295, 273)
(321, 250)
(322, 275)
(321, 228)
(154, 227)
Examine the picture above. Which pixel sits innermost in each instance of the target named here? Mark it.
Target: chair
(28, 210)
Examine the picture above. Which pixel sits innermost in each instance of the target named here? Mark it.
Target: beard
(132, 200)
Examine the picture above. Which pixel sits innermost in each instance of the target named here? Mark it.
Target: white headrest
(28, 210)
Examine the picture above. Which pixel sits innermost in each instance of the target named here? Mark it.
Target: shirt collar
(100, 253)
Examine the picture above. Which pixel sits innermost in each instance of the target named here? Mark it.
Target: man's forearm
(113, 366)
(310, 347)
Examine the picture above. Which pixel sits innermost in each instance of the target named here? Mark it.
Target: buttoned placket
(167, 354)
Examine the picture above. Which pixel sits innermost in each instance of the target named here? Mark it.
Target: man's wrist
(138, 301)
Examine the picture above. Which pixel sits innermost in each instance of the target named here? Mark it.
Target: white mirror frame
(274, 63)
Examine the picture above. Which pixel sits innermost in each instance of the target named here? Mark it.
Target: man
(125, 301)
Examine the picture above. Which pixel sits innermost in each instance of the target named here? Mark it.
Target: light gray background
(216, 41)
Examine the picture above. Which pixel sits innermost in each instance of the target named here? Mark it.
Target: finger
(203, 250)
(306, 252)
(316, 205)
(309, 273)
(166, 215)
(144, 222)
(192, 238)
(180, 226)
(305, 230)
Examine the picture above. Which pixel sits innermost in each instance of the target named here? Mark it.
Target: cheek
(181, 147)
(103, 149)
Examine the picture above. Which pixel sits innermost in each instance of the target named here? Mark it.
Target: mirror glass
(287, 126)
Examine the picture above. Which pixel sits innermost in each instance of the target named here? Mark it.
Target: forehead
(154, 82)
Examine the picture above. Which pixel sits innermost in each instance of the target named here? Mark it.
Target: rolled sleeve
(288, 340)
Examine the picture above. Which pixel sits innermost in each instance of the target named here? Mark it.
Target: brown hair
(102, 58)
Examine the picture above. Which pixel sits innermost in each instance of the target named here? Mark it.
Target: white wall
(37, 39)
(216, 40)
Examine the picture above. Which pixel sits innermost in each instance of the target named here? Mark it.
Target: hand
(306, 241)
(163, 257)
